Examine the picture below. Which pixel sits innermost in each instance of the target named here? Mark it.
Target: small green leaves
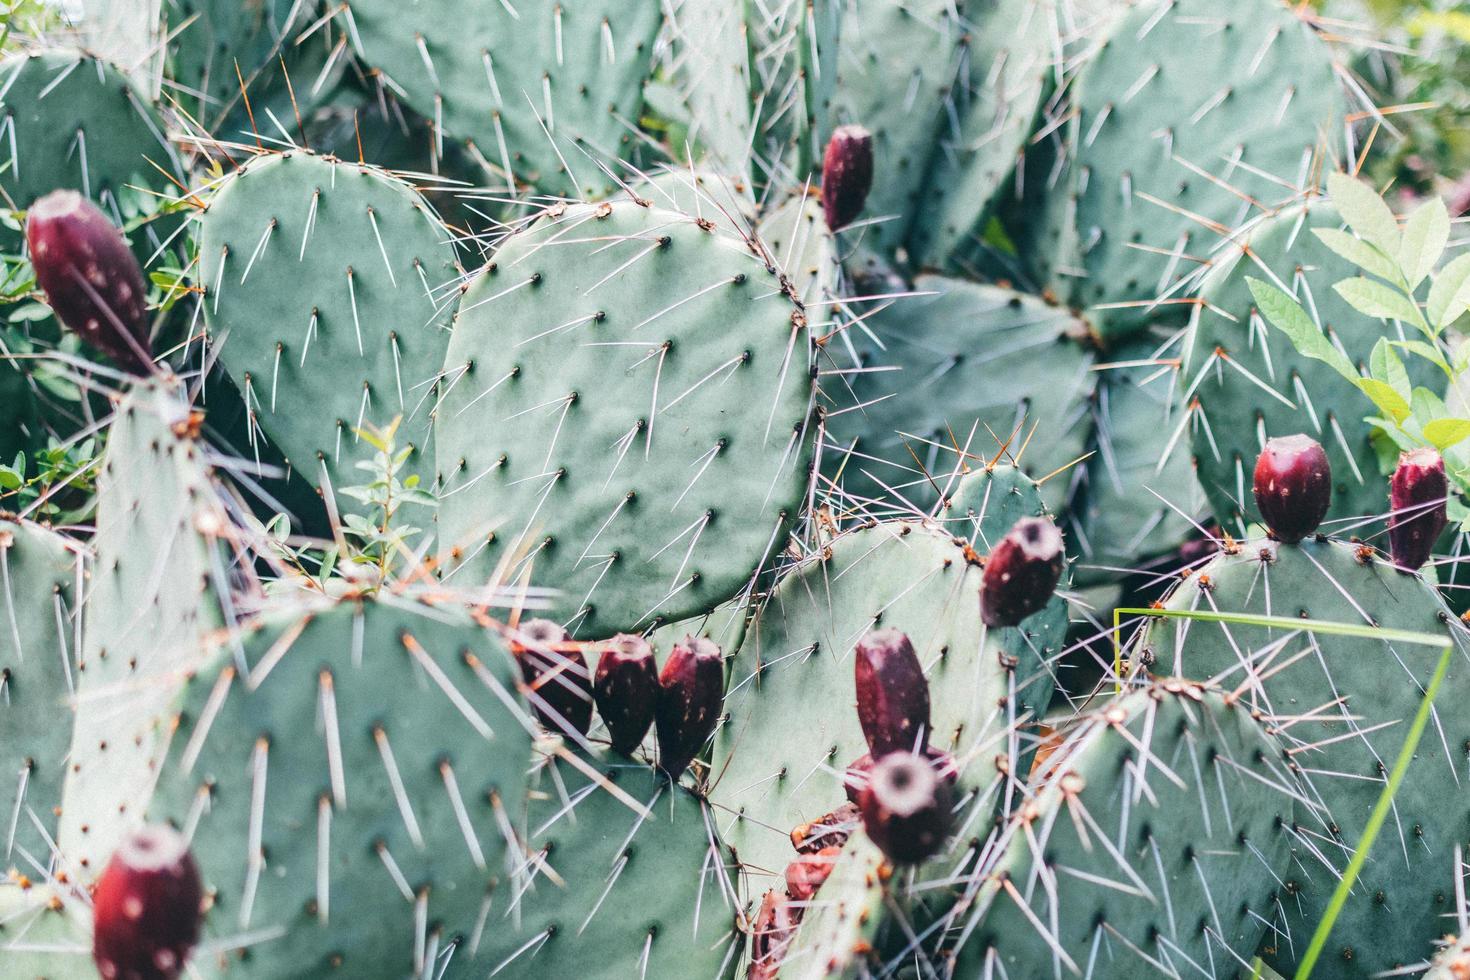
(1425, 234)
(1365, 212)
(1389, 402)
(1287, 315)
(1444, 433)
(1450, 293)
(1378, 300)
(1358, 252)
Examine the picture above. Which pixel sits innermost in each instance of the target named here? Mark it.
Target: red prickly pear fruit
(146, 908)
(691, 693)
(90, 277)
(906, 808)
(806, 874)
(855, 779)
(1417, 493)
(557, 674)
(1021, 573)
(1293, 486)
(626, 689)
(847, 175)
(771, 935)
(892, 694)
(830, 830)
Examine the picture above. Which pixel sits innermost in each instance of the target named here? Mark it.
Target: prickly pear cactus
(797, 238)
(791, 730)
(1187, 115)
(43, 932)
(161, 582)
(626, 414)
(842, 921)
(220, 36)
(350, 782)
(625, 875)
(1342, 707)
(535, 85)
(329, 288)
(1250, 382)
(1155, 836)
(40, 623)
(962, 368)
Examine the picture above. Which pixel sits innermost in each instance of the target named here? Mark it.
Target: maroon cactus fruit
(691, 692)
(771, 935)
(146, 909)
(830, 830)
(806, 874)
(1021, 573)
(1293, 486)
(847, 175)
(1417, 494)
(555, 670)
(892, 694)
(626, 689)
(906, 808)
(90, 277)
(855, 779)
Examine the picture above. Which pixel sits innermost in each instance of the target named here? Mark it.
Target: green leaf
(1365, 212)
(1375, 299)
(1385, 365)
(10, 479)
(1358, 252)
(1427, 351)
(1450, 294)
(1287, 315)
(1425, 235)
(1444, 433)
(1389, 402)
(30, 312)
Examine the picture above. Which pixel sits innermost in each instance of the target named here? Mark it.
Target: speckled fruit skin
(560, 683)
(691, 690)
(847, 175)
(1418, 495)
(1293, 486)
(1022, 572)
(892, 694)
(626, 690)
(146, 908)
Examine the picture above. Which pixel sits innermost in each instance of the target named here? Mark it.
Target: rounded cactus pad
(625, 876)
(626, 410)
(349, 783)
(1342, 706)
(1187, 116)
(1169, 791)
(328, 289)
(782, 753)
(526, 82)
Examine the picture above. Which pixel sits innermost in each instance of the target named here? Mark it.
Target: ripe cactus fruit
(1021, 573)
(906, 808)
(1417, 494)
(146, 908)
(626, 690)
(892, 694)
(855, 779)
(806, 874)
(691, 691)
(90, 277)
(1293, 486)
(847, 175)
(771, 935)
(831, 830)
(556, 672)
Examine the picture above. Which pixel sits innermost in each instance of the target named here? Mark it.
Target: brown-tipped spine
(146, 908)
(691, 693)
(892, 694)
(1293, 486)
(847, 175)
(626, 689)
(90, 277)
(555, 671)
(1022, 573)
(1418, 494)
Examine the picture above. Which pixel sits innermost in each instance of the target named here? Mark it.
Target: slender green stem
(1375, 820)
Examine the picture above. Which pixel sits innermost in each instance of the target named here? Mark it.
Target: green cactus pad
(44, 934)
(349, 795)
(974, 364)
(218, 37)
(1141, 469)
(710, 47)
(840, 926)
(1245, 94)
(160, 584)
(1231, 345)
(796, 236)
(626, 416)
(1004, 66)
(328, 288)
(1154, 838)
(613, 892)
(792, 728)
(40, 572)
(1344, 751)
(496, 78)
(71, 120)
